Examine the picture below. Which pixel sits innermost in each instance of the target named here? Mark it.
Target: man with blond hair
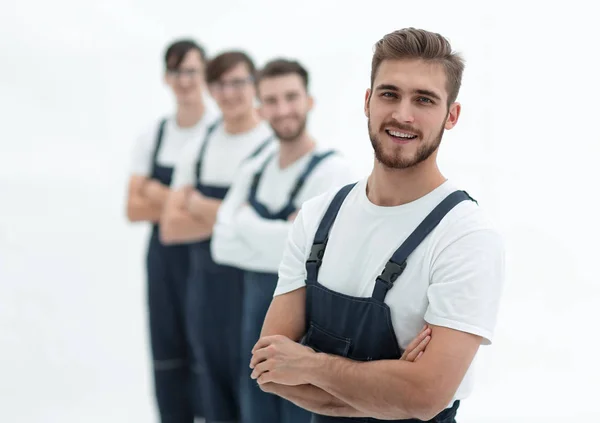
(367, 265)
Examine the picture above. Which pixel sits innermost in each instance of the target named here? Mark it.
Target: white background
(79, 80)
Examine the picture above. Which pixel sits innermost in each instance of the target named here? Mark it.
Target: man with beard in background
(254, 220)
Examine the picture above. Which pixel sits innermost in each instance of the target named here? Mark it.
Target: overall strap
(314, 162)
(202, 152)
(258, 175)
(159, 139)
(322, 235)
(260, 148)
(396, 265)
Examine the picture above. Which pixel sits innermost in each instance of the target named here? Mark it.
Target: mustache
(401, 127)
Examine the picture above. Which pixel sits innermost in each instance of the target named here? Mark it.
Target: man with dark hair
(201, 181)
(367, 265)
(253, 222)
(154, 157)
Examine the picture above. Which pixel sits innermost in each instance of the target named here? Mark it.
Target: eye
(424, 100)
(389, 94)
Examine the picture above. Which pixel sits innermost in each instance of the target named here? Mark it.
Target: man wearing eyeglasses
(202, 179)
(154, 156)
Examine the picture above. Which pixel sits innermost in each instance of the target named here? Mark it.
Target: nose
(282, 109)
(404, 112)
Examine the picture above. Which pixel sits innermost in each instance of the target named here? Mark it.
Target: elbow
(132, 213)
(216, 250)
(429, 404)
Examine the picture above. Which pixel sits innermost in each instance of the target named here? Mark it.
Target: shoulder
(468, 227)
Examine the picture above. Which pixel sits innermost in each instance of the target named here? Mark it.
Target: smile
(400, 135)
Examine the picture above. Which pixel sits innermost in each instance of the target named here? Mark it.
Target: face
(187, 81)
(408, 112)
(285, 105)
(234, 92)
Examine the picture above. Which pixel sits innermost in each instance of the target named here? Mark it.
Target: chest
(356, 254)
(276, 185)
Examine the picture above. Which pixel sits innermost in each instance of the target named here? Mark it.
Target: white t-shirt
(453, 279)
(174, 141)
(223, 156)
(241, 237)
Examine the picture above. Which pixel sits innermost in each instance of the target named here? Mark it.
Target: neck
(394, 187)
(242, 124)
(189, 114)
(290, 151)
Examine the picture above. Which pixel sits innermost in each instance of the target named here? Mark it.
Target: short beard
(398, 161)
(294, 136)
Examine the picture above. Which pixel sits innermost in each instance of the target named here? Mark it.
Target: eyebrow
(391, 87)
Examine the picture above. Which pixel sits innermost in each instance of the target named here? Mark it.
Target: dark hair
(411, 43)
(280, 67)
(224, 62)
(176, 52)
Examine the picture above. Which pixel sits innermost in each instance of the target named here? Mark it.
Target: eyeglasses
(178, 73)
(236, 84)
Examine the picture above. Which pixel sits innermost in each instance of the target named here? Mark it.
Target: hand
(151, 188)
(415, 349)
(280, 360)
(194, 200)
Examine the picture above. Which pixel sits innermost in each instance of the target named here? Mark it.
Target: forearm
(384, 389)
(140, 209)
(156, 192)
(207, 213)
(178, 226)
(313, 399)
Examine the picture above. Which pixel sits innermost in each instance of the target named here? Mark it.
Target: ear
(453, 114)
(311, 102)
(367, 99)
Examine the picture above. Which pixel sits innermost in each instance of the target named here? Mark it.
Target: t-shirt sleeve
(143, 149)
(467, 278)
(292, 270)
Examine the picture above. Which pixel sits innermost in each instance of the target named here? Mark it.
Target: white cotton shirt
(453, 279)
(174, 142)
(224, 155)
(241, 237)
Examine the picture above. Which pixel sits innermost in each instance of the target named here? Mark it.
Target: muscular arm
(286, 317)
(140, 206)
(178, 225)
(397, 389)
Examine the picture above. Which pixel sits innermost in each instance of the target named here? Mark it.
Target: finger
(266, 377)
(260, 356)
(415, 342)
(262, 343)
(261, 368)
(418, 356)
(412, 355)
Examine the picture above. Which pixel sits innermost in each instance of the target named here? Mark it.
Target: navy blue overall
(259, 406)
(361, 328)
(167, 271)
(216, 292)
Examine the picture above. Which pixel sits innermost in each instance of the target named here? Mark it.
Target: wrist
(315, 365)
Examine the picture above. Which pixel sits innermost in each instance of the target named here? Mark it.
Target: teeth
(401, 134)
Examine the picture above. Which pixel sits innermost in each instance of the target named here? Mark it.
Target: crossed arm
(189, 216)
(331, 385)
(146, 199)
